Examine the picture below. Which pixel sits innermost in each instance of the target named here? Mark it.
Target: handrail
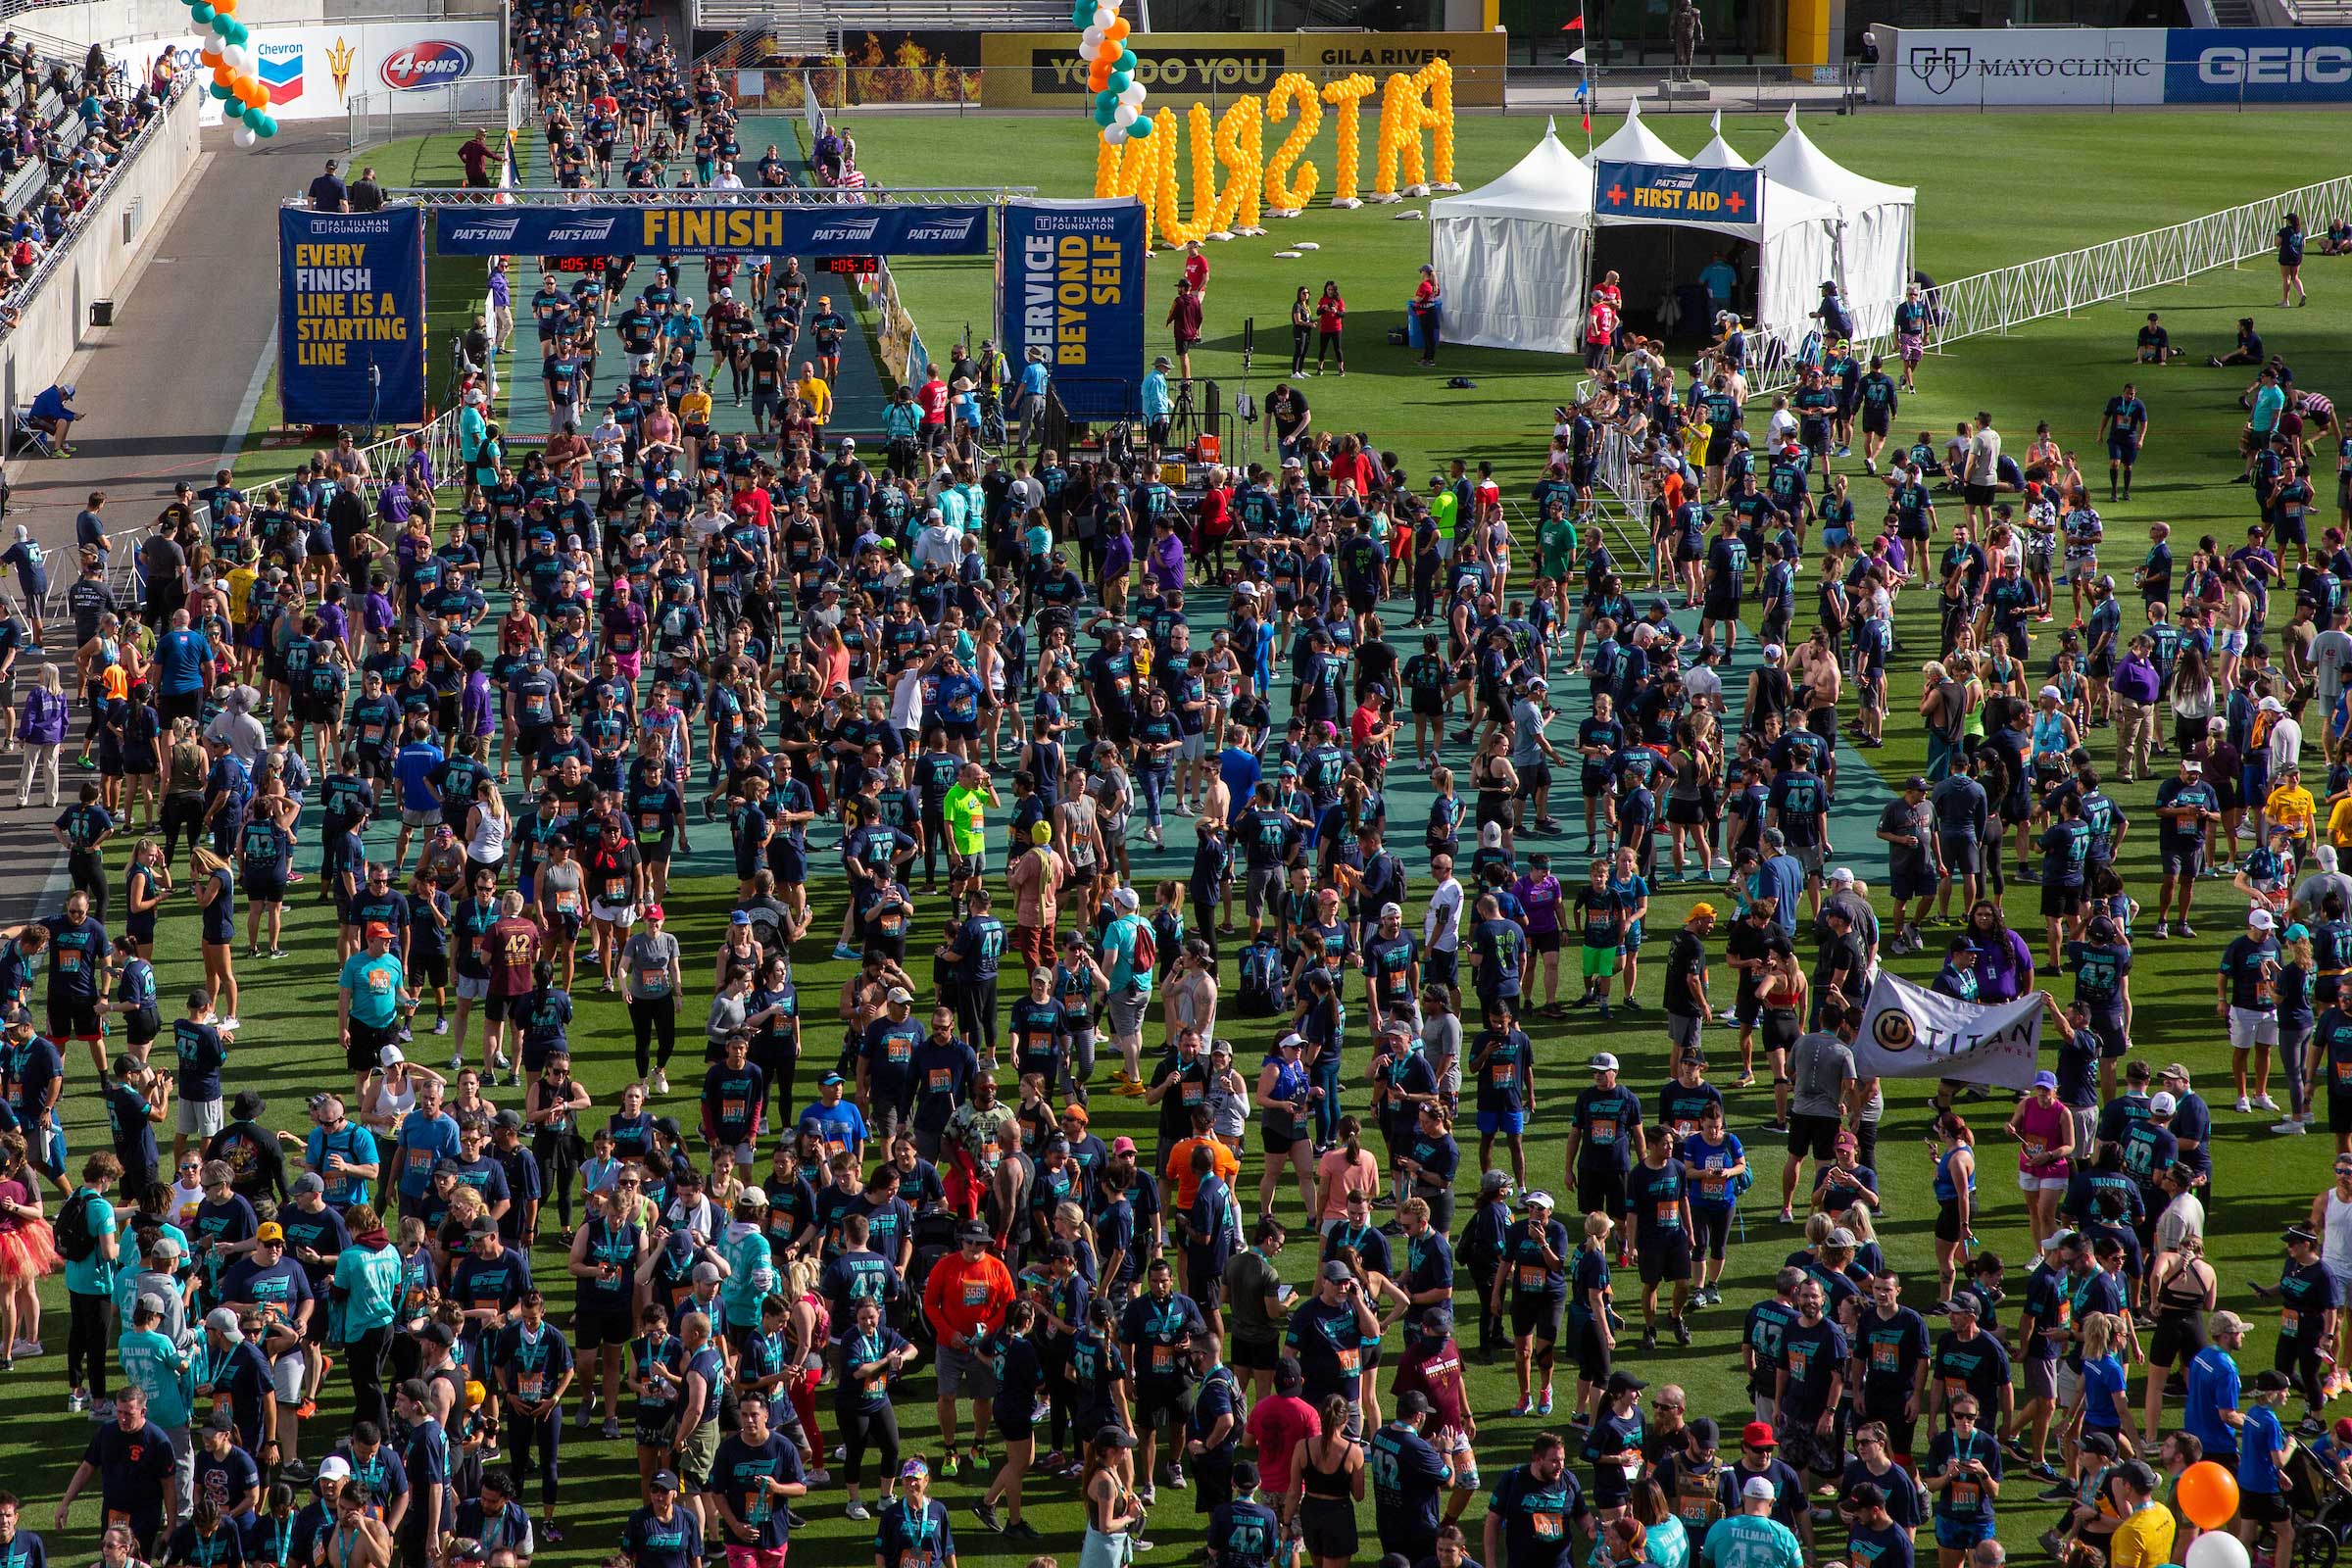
(701, 196)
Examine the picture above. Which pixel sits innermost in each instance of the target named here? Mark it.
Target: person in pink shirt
(2044, 1129)
(1278, 1425)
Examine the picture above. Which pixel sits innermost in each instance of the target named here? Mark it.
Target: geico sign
(2229, 66)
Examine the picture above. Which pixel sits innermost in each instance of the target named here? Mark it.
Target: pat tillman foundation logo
(338, 65)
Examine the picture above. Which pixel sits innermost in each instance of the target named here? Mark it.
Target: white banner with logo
(313, 72)
(1908, 1032)
(2038, 67)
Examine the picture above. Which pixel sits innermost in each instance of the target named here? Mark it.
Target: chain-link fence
(472, 103)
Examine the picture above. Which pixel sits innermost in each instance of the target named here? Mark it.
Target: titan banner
(350, 316)
(1070, 275)
(819, 232)
(1044, 69)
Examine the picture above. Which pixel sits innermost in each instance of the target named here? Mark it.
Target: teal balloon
(1120, 81)
(1139, 128)
(1082, 14)
(223, 93)
(201, 13)
(1103, 116)
(1126, 62)
(253, 118)
(268, 127)
(1105, 101)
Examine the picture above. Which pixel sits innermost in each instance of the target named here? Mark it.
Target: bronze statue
(1687, 33)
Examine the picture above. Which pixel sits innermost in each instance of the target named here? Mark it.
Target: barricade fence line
(1996, 302)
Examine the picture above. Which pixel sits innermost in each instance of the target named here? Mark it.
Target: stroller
(2319, 1498)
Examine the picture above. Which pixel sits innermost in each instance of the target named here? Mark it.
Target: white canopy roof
(1547, 183)
(1796, 163)
(1633, 142)
(1719, 154)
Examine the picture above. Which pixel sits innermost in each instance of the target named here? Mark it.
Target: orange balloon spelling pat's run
(2208, 1494)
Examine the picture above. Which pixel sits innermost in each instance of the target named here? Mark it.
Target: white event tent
(1515, 256)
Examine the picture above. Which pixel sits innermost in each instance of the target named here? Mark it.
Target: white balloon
(2218, 1548)
(1114, 134)
(1123, 116)
(1088, 41)
(1104, 15)
(244, 137)
(239, 57)
(1133, 97)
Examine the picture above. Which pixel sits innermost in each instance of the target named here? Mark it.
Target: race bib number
(1501, 1072)
(1669, 1213)
(1531, 1277)
(975, 1293)
(1883, 1358)
(1547, 1526)
(1163, 1359)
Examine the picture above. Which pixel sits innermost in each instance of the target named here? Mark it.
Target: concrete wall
(125, 222)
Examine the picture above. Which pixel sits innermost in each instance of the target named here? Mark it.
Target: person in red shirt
(1184, 320)
(511, 946)
(1277, 1424)
(964, 1300)
(1195, 270)
(1428, 312)
(932, 398)
(1331, 314)
(1431, 1367)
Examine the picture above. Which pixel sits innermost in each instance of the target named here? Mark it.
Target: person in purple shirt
(1539, 898)
(1118, 553)
(475, 717)
(2004, 963)
(1166, 566)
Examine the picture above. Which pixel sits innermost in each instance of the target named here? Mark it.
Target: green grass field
(1983, 187)
(2059, 369)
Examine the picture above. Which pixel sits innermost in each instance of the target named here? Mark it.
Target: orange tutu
(29, 1252)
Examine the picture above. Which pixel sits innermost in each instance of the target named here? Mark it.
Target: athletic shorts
(1816, 1135)
(1507, 1122)
(2252, 1027)
(198, 1118)
(1537, 1315)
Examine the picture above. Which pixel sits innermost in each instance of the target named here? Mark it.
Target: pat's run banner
(754, 228)
(1909, 1032)
(1677, 193)
(1070, 277)
(350, 316)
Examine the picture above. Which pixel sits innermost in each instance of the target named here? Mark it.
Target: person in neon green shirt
(965, 810)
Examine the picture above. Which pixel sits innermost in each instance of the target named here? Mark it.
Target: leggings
(366, 1358)
(183, 813)
(1301, 336)
(86, 1342)
(1329, 343)
(860, 1427)
(546, 1434)
(652, 1017)
(2292, 1039)
(802, 1388)
(1079, 1066)
(1327, 1109)
(554, 1151)
(1204, 917)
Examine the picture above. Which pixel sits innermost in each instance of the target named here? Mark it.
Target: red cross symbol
(1616, 195)
(1735, 201)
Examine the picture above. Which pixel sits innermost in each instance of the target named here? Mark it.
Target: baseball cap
(1539, 1199)
(334, 1467)
(1337, 1272)
(390, 1056)
(2226, 1322)
(913, 1470)
(271, 1231)
(2161, 1103)
(377, 931)
(1757, 1490)
(2046, 1080)
(308, 1182)
(1758, 1435)
(2260, 920)
(1123, 1145)
(665, 1481)
(899, 994)
(1603, 1061)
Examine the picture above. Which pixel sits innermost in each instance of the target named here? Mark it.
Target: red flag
(1575, 23)
(1588, 122)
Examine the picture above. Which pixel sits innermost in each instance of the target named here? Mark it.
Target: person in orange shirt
(1180, 1160)
(964, 1300)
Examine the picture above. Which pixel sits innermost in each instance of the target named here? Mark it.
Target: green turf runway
(860, 393)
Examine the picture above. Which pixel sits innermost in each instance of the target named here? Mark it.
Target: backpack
(76, 1241)
(1262, 983)
(1145, 958)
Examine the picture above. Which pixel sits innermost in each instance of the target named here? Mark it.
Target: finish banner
(1909, 1032)
(1677, 193)
(1070, 274)
(350, 316)
(759, 230)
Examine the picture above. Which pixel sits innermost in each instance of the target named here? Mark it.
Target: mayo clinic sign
(2113, 66)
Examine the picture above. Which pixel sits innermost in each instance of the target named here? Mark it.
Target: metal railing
(701, 196)
(54, 257)
(477, 103)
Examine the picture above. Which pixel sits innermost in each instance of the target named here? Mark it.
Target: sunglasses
(1661, 1404)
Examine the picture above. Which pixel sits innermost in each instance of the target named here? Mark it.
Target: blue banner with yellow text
(750, 229)
(1677, 193)
(1070, 279)
(350, 316)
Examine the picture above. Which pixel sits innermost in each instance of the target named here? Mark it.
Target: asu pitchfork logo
(1939, 69)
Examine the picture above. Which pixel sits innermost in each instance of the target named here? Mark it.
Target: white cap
(1388, 910)
(1771, 652)
(2161, 1104)
(2270, 704)
(1539, 1198)
(2052, 693)
(754, 1197)
(1604, 1063)
(1124, 900)
(2325, 856)
(334, 1467)
(1843, 874)
(222, 1320)
(1289, 1039)
(390, 1056)
(2259, 919)
(1757, 1490)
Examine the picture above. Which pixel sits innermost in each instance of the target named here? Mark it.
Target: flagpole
(1584, 72)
